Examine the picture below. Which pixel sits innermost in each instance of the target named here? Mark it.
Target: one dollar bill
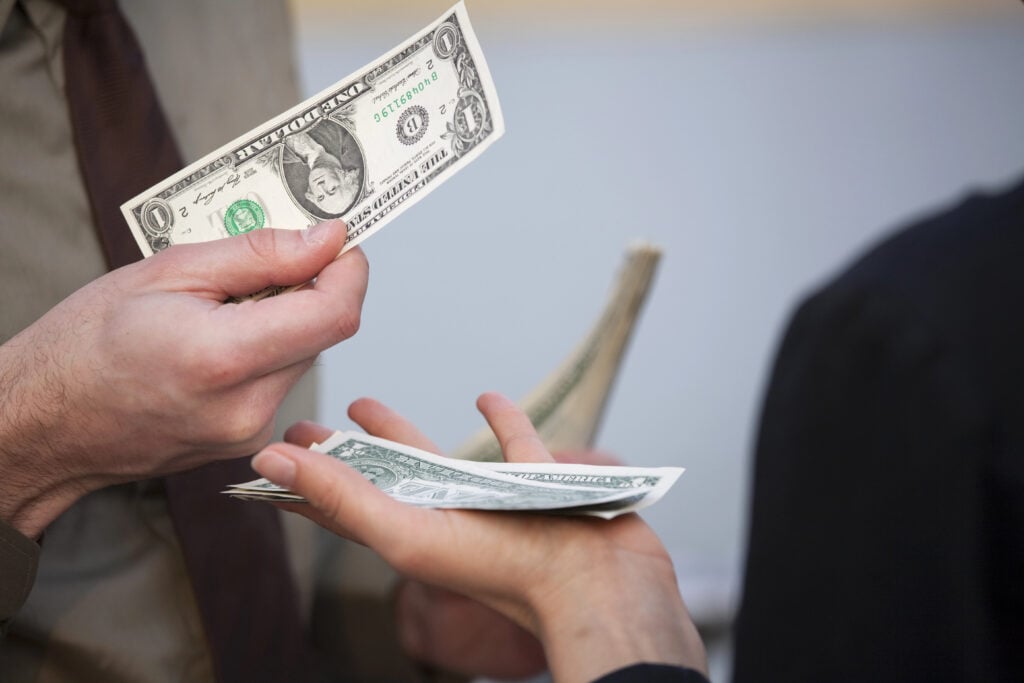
(364, 150)
(423, 479)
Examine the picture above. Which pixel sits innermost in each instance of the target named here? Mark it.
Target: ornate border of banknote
(364, 150)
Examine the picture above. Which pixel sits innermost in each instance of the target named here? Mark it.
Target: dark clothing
(887, 523)
(652, 673)
(19, 559)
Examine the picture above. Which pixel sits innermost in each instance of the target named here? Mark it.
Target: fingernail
(318, 234)
(277, 468)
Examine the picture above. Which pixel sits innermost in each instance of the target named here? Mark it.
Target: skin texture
(560, 579)
(147, 371)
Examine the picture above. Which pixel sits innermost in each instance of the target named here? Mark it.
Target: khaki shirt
(111, 599)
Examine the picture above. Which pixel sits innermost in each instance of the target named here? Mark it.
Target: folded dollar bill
(420, 478)
(364, 150)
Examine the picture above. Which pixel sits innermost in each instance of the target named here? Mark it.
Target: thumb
(339, 497)
(248, 263)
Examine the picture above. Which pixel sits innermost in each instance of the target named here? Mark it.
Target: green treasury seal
(244, 215)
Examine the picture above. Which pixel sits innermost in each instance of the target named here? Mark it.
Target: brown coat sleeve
(19, 558)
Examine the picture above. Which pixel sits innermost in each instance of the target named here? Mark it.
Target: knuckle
(208, 367)
(262, 244)
(227, 371)
(406, 557)
(328, 499)
(359, 256)
(233, 422)
(347, 323)
(248, 426)
(524, 440)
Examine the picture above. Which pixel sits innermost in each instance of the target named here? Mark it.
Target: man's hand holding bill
(147, 371)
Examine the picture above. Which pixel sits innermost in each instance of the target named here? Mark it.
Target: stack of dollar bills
(426, 480)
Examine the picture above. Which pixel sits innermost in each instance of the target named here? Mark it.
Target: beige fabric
(47, 245)
(112, 601)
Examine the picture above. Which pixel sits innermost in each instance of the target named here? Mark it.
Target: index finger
(282, 330)
(379, 420)
(518, 439)
(305, 432)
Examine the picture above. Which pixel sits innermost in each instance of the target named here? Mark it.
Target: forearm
(32, 493)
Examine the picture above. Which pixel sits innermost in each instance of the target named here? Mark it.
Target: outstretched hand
(436, 626)
(599, 594)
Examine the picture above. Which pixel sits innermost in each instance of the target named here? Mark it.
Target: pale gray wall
(760, 158)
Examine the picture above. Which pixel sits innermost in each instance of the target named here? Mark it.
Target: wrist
(34, 490)
(30, 508)
(31, 495)
(614, 615)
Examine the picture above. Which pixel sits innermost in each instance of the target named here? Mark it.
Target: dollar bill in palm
(646, 484)
(420, 478)
(365, 149)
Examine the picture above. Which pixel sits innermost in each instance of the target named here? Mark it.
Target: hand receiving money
(557, 577)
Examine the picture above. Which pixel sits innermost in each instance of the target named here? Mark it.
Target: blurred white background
(762, 145)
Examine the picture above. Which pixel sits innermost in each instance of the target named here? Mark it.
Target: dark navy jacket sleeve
(887, 519)
(653, 673)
